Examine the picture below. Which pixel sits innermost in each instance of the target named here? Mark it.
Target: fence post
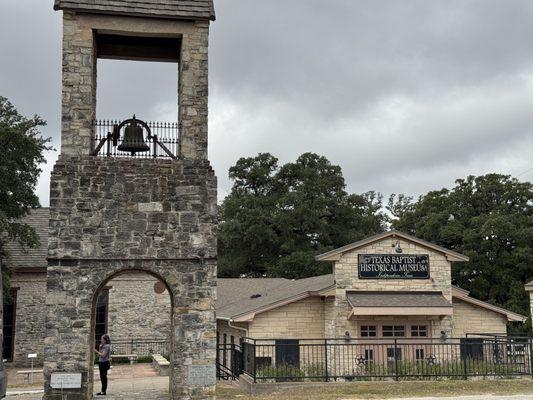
(255, 381)
(465, 363)
(531, 357)
(326, 359)
(396, 359)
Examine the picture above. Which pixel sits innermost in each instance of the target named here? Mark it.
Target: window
(419, 354)
(368, 331)
(393, 331)
(419, 330)
(394, 352)
(369, 355)
(100, 327)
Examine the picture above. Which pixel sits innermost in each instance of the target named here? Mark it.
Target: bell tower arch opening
(117, 205)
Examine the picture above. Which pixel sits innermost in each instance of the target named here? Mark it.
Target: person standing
(104, 353)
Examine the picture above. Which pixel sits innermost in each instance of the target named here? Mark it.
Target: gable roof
(335, 254)
(242, 299)
(175, 9)
(19, 257)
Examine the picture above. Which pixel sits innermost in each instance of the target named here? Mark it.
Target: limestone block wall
(114, 215)
(136, 310)
(224, 329)
(132, 208)
(302, 319)
(468, 318)
(299, 320)
(80, 72)
(30, 317)
(346, 276)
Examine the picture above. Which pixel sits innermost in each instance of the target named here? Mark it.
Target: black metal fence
(140, 347)
(229, 361)
(162, 143)
(374, 359)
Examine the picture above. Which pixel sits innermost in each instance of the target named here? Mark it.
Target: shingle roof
(396, 299)
(179, 9)
(234, 296)
(19, 257)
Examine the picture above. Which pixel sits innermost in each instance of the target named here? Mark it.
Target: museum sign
(393, 266)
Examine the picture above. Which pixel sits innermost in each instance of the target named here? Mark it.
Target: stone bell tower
(142, 210)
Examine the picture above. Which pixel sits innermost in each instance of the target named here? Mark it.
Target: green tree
(22, 152)
(276, 219)
(490, 219)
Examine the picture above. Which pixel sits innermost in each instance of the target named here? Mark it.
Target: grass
(387, 390)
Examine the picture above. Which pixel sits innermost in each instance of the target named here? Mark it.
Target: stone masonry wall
(299, 320)
(80, 73)
(136, 310)
(132, 208)
(110, 216)
(468, 318)
(30, 317)
(347, 279)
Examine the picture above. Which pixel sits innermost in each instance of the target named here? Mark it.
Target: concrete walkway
(126, 382)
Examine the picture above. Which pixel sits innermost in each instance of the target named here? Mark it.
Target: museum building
(391, 285)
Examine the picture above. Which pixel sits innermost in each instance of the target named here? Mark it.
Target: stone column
(193, 90)
(79, 86)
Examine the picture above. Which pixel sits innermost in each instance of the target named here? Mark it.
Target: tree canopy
(22, 152)
(488, 218)
(277, 218)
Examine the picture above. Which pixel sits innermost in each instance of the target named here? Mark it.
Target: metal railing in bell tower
(134, 138)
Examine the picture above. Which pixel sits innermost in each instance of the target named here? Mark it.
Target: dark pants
(104, 367)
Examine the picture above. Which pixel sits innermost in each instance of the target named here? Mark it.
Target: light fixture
(398, 247)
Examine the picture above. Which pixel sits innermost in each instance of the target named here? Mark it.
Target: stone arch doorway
(73, 288)
(134, 306)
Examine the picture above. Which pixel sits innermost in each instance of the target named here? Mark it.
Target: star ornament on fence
(431, 359)
(360, 360)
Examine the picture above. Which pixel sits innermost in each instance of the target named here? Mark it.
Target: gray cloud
(405, 95)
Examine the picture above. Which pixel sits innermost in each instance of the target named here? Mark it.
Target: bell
(133, 139)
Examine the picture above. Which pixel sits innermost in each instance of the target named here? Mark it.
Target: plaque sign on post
(65, 381)
(393, 266)
(202, 375)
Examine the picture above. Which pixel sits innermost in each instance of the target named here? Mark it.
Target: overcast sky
(406, 96)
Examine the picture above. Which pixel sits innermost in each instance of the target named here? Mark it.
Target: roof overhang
(358, 312)
(335, 255)
(398, 303)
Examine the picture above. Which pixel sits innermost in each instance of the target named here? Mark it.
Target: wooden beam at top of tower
(121, 47)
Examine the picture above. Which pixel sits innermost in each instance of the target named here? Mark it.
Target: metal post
(155, 143)
(396, 359)
(109, 138)
(531, 357)
(326, 359)
(465, 363)
(255, 380)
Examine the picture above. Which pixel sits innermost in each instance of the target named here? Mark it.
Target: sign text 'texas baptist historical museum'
(393, 266)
